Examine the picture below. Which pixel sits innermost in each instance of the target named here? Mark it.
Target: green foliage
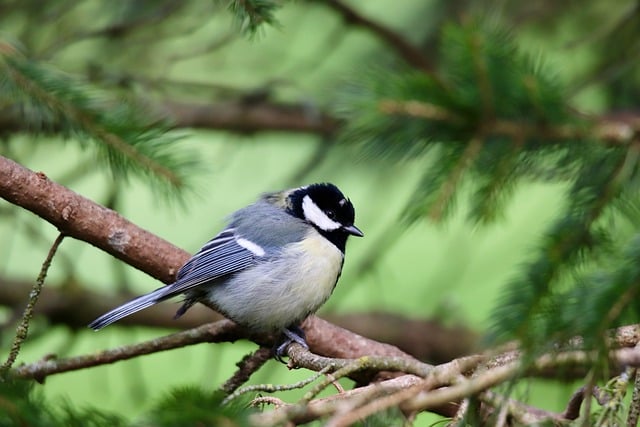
(127, 140)
(532, 309)
(20, 405)
(601, 299)
(490, 111)
(194, 406)
(487, 119)
(251, 15)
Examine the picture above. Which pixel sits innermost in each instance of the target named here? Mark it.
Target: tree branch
(234, 116)
(80, 218)
(23, 327)
(224, 330)
(250, 117)
(613, 129)
(75, 306)
(246, 367)
(405, 49)
(439, 386)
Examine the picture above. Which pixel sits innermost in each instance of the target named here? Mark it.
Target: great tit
(276, 262)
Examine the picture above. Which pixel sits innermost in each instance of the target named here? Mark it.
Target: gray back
(268, 226)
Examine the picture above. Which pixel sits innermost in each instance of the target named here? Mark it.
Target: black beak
(353, 230)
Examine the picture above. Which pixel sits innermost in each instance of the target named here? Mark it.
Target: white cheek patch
(314, 214)
(250, 246)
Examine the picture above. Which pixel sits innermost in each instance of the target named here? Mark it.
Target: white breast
(277, 294)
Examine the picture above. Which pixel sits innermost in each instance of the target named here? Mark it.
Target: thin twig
(23, 327)
(440, 375)
(303, 358)
(444, 384)
(405, 49)
(355, 366)
(589, 391)
(510, 409)
(572, 411)
(246, 367)
(615, 391)
(461, 413)
(346, 402)
(328, 405)
(221, 331)
(272, 388)
(269, 400)
(634, 406)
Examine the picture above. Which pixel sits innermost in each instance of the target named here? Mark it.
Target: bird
(275, 263)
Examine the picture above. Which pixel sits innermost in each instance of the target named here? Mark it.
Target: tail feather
(131, 307)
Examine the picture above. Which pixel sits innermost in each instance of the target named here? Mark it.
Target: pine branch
(462, 124)
(253, 14)
(239, 117)
(405, 49)
(570, 241)
(608, 130)
(135, 19)
(242, 117)
(452, 183)
(130, 143)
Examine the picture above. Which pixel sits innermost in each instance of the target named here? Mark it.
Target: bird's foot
(290, 335)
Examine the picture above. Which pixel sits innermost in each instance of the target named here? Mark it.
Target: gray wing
(254, 232)
(219, 257)
(222, 255)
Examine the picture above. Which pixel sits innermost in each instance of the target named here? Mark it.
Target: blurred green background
(452, 270)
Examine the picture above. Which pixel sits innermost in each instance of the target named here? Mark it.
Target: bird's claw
(290, 335)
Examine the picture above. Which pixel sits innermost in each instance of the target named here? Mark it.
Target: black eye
(331, 214)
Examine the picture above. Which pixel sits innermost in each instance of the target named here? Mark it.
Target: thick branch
(79, 217)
